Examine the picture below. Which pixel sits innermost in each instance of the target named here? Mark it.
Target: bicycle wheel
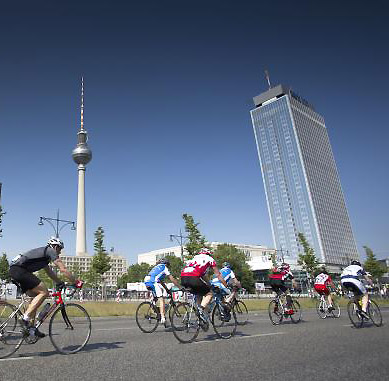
(296, 317)
(11, 330)
(275, 312)
(336, 312)
(374, 312)
(321, 309)
(147, 317)
(70, 328)
(242, 313)
(185, 323)
(224, 322)
(353, 314)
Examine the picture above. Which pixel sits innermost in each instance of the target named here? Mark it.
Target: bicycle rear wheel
(147, 317)
(11, 331)
(185, 323)
(336, 312)
(375, 314)
(275, 312)
(353, 314)
(70, 328)
(321, 309)
(296, 317)
(242, 313)
(224, 322)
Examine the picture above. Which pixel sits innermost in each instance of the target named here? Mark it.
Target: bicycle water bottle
(44, 311)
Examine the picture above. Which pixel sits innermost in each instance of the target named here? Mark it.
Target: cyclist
(351, 280)
(154, 283)
(322, 281)
(22, 268)
(279, 275)
(230, 278)
(192, 277)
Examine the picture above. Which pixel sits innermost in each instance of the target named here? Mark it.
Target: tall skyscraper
(300, 177)
(82, 155)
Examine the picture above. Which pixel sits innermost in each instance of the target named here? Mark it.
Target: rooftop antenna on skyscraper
(267, 78)
(82, 103)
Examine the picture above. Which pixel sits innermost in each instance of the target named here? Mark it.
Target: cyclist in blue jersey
(154, 283)
(230, 278)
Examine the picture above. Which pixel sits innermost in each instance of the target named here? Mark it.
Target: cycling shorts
(156, 289)
(278, 285)
(27, 280)
(321, 289)
(354, 285)
(224, 290)
(197, 285)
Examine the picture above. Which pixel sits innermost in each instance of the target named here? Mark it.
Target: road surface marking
(17, 358)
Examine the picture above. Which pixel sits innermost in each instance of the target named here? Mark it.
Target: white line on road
(17, 358)
(242, 337)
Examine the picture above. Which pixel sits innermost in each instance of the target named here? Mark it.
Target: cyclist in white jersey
(351, 280)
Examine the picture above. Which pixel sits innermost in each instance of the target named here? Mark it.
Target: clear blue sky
(168, 90)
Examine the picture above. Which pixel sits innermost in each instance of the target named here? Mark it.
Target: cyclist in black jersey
(22, 268)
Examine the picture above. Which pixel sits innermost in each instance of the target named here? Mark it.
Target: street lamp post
(179, 238)
(57, 227)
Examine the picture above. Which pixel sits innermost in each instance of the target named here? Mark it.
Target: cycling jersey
(281, 274)
(353, 272)
(227, 275)
(198, 265)
(350, 279)
(35, 259)
(323, 279)
(156, 274)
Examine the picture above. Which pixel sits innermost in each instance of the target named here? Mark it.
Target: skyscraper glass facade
(301, 182)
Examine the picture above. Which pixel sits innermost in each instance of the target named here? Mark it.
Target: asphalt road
(314, 349)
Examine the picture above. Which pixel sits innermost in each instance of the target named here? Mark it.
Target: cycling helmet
(164, 261)
(56, 241)
(356, 263)
(227, 264)
(206, 251)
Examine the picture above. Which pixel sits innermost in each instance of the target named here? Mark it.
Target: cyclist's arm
(52, 274)
(368, 279)
(236, 283)
(61, 267)
(174, 280)
(219, 276)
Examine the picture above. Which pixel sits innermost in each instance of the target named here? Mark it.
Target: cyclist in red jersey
(277, 282)
(192, 277)
(322, 281)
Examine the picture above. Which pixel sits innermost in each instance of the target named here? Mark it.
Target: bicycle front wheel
(296, 316)
(353, 314)
(336, 311)
(321, 309)
(147, 317)
(185, 323)
(375, 314)
(223, 321)
(11, 331)
(275, 312)
(70, 328)
(242, 313)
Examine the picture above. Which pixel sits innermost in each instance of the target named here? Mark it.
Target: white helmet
(55, 241)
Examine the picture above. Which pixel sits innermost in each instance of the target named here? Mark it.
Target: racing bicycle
(148, 315)
(354, 308)
(278, 310)
(322, 308)
(69, 327)
(186, 320)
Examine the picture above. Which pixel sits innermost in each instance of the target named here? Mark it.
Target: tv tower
(82, 155)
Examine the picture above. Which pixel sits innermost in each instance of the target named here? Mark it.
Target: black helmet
(164, 261)
(227, 264)
(354, 262)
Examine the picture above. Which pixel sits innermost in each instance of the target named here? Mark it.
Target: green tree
(92, 278)
(101, 260)
(195, 240)
(76, 271)
(4, 268)
(371, 265)
(137, 272)
(176, 265)
(229, 253)
(307, 260)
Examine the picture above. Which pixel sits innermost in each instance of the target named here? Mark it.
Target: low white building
(258, 257)
(83, 262)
